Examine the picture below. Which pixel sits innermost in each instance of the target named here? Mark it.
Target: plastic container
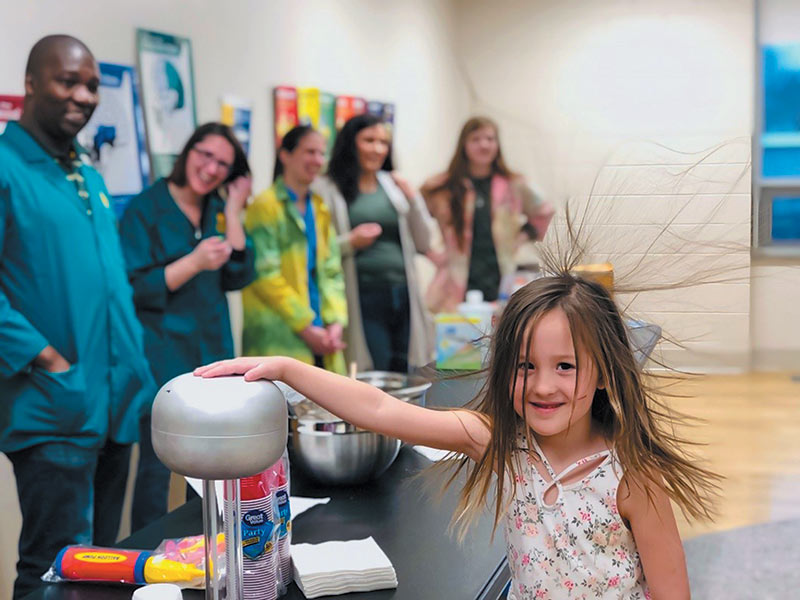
(475, 307)
(602, 273)
(461, 338)
(158, 591)
(524, 274)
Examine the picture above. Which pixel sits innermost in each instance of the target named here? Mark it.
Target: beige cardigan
(513, 204)
(416, 228)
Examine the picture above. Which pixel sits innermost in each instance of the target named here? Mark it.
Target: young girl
(567, 425)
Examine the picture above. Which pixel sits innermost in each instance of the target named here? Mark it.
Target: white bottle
(475, 307)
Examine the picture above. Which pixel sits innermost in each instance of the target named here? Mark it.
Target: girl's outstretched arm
(657, 539)
(364, 405)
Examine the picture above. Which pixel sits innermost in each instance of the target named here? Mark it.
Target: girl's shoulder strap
(558, 477)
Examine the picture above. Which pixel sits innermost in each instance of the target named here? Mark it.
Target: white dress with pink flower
(578, 547)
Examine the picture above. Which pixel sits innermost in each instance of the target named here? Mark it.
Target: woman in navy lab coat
(185, 247)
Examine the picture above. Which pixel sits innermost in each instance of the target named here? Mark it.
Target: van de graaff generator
(221, 428)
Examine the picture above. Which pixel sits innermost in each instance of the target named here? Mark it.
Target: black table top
(398, 510)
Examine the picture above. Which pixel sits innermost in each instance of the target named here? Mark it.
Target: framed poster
(388, 117)
(327, 119)
(375, 107)
(114, 136)
(285, 111)
(165, 66)
(384, 110)
(308, 106)
(348, 107)
(236, 113)
(324, 111)
(10, 109)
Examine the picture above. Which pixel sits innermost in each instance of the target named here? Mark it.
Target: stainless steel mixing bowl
(335, 452)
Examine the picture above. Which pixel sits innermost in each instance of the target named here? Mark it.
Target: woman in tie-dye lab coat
(296, 306)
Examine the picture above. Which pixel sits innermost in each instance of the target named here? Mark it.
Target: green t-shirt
(382, 262)
(484, 272)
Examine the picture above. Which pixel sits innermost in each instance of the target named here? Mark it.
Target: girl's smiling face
(557, 397)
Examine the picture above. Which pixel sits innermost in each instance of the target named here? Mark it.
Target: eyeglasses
(207, 157)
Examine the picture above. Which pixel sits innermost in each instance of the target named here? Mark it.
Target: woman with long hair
(382, 224)
(185, 247)
(296, 306)
(484, 211)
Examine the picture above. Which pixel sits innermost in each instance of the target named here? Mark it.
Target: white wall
(586, 94)
(400, 51)
(776, 282)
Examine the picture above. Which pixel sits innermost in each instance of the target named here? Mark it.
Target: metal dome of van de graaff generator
(218, 428)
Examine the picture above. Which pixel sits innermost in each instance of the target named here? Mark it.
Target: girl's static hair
(458, 171)
(629, 409)
(289, 142)
(343, 167)
(240, 165)
(638, 426)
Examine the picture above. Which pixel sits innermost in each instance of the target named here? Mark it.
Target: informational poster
(327, 119)
(114, 136)
(308, 106)
(324, 111)
(348, 107)
(285, 113)
(388, 117)
(384, 110)
(236, 113)
(165, 66)
(10, 109)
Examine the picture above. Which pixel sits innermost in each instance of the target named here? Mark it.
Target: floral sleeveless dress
(576, 548)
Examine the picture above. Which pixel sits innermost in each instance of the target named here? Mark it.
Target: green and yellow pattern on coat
(277, 305)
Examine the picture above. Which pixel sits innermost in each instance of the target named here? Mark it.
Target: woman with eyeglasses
(185, 246)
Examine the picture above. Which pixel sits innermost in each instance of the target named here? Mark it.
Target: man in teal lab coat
(73, 376)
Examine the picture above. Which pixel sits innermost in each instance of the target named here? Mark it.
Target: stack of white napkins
(341, 567)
